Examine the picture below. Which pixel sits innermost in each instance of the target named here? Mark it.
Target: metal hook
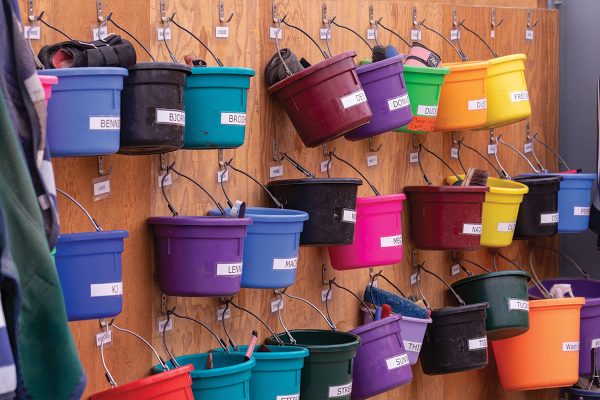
(101, 171)
(275, 152)
(414, 17)
(454, 18)
(493, 20)
(274, 13)
(371, 19)
(494, 141)
(529, 139)
(324, 13)
(30, 9)
(99, 13)
(222, 13)
(529, 25)
(163, 10)
(371, 148)
(231, 341)
(163, 162)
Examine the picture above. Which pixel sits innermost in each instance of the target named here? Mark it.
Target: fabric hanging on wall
(595, 213)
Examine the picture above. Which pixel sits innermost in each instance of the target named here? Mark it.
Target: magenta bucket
(383, 83)
(199, 256)
(377, 234)
(381, 362)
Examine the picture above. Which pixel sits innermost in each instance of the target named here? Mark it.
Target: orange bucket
(547, 355)
(463, 102)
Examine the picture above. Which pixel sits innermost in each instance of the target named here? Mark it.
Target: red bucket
(445, 217)
(325, 100)
(175, 384)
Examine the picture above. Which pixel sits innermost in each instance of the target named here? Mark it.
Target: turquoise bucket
(215, 107)
(229, 379)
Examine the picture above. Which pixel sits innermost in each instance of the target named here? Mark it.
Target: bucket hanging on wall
(47, 82)
(538, 213)
(574, 201)
(84, 112)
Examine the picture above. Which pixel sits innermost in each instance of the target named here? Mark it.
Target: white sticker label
(454, 34)
(415, 35)
(518, 305)
(412, 346)
(454, 152)
(170, 117)
(549, 218)
(570, 346)
(528, 147)
(529, 34)
(506, 226)
(398, 361)
(275, 31)
(480, 104)
(100, 337)
(455, 270)
(105, 123)
(33, 33)
(289, 397)
(163, 34)
(517, 97)
(222, 176)
(391, 241)
(238, 119)
(324, 293)
(229, 269)
(99, 33)
(372, 160)
(398, 102)
(276, 171)
(492, 148)
(354, 99)
(276, 305)
(595, 343)
(413, 278)
(371, 34)
(221, 314)
(427, 111)
(478, 344)
(413, 157)
(102, 187)
(167, 181)
(581, 211)
(222, 31)
(340, 391)
(472, 229)
(285, 263)
(167, 328)
(106, 289)
(493, 34)
(325, 165)
(349, 216)
(324, 32)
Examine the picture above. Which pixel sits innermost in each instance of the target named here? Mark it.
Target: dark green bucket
(506, 293)
(327, 371)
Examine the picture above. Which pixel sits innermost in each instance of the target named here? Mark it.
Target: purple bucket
(589, 336)
(199, 256)
(413, 332)
(381, 362)
(384, 86)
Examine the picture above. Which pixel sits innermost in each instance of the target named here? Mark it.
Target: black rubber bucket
(456, 340)
(538, 213)
(330, 204)
(152, 112)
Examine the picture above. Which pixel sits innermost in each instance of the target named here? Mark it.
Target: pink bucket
(47, 83)
(377, 234)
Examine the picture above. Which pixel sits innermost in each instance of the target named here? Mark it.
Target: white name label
(391, 241)
(326, 294)
(398, 103)
(168, 180)
(506, 226)
(414, 277)
(32, 33)
(162, 325)
(549, 218)
(517, 97)
(325, 165)
(528, 147)
(100, 33)
(492, 148)
(480, 104)
(349, 216)
(415, 35)
(340, 391)
(170, 117)
(412, 346)
(221, 314)
(529, 34)
(276, 305)
(372, 160)
(354, 99)
(518, 305)
(238, 119)
(371, 34)
(581, 211)
(570, 346)
(595, 343)
(106, 289)
(427, 111)
(289, 397)
(454, 34)
(455, 270)
(102, 187)
(276, 171)
(285, 263)
(222, 32)
(398, 361)
(100, 337)
(413, 158)
(163, 34)
(325, 33)
(472, 229)
(275, 31)
(478, 344)
(454, 152)
(229, 269)
(105, 123)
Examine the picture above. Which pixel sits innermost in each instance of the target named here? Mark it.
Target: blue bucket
(89, 269)
(229, 378)
(84, 113)
(215, 107)
(574, 201)
(271, 247)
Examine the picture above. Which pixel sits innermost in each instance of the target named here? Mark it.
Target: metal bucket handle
(582, 271)
(92, 220)
(421, 148)
(510, 146)
(461, 25)
(332, 21)
(284, 21)
(379, 24)
(536, 281)
(295, 163)
(461, 143)
(332, 283)
(277, 338)
(380, 274)
(109, 18)
(332, 154)
(472, 263)
(228, 165)
(461, 54)
(420, 268)
(554, 152)
(217, 60)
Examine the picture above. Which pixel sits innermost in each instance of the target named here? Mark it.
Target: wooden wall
(135, 194)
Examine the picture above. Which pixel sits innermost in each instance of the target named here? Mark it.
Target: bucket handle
(461, 25)
(546, 293)
(231, 341)
(472, 263)
(332, 154)
(183, 28)
(461, 54)
(110, 18)
(106, 325)
(327, 320)
(277, 338)
(422, 147)
(284, 21)
(332, 22)
(379, 24)
(380, 274)
(228, 165)
(554, 152)
(171, 207)
(536, 281)
(566, 256)
(510, 146)
(461, 143)
(332, 283)
(420, 268)
(284, 156)
(92, 220)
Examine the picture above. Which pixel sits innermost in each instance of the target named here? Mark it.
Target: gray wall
(579, 72)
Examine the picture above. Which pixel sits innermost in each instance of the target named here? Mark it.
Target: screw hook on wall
(222, 13)
(371, 148)
(101, 171)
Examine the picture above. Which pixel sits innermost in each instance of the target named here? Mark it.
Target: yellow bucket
(508, 99)
(500, 209)
(463, 102)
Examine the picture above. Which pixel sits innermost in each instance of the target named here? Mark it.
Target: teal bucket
(215, 107)
(228, 379)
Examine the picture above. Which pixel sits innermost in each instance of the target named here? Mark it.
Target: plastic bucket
(152, 110)
(47, 83)
(574, 201)
(84, 114)
(90, 272)
(463, 102)
(508, 99)
(199, 256)
(445, 217)
(506, 294)
(325, 100)
(329, 202)
(538, 213)
(271, 247)
(589, 336)
(174, 384)
(215, 107)
(424, 86)
(381, 362)
(547, 355)
(383, 83)
(580, 394)
(327, 371)
(377, 234)
(228, 379)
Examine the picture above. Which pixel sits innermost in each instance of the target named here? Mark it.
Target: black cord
(283, 21)
(421, 146)
(462, 24)
(373, 188)
(110, 19)
(380, 274)
(500, 174)
(462, 56)
(172, 19)
(39, 18)
(273, 198)
(393, 33)
(353, 31)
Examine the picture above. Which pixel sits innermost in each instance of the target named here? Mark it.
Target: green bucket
(424, 86)
(327, 371)
(506, 293)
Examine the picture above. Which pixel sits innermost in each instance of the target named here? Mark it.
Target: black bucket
(538, 213)
(330, 204)
(152, 112)
(456, 340)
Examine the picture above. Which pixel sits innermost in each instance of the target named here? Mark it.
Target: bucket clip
(332, 283)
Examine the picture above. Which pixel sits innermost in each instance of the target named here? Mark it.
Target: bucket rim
(560, 302)
(446, 189)
(223, 71)
(488, 275)
(369, 326)
(564, 280)
(48, 79)
(577, 176)
(451, 310)
(199, 221)
(286, 353)
(384, 198)
(538, 180)
(418, 320)
(220, 371)
(353, 343)
(362, 69)
(159, 65)
(415, 69)
(311, 181)
(466, 66)
(94, 235)
(85, 71)
(510, 57)
(258, 214)
(518, 189)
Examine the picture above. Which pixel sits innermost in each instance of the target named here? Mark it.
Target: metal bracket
(275, 153)
(163, 304)
(371, 148)
(324, 280)
(274, 12)
(222, 13)
(492, 137)
(324, 13)
(101, 171)
(454, 139)
(371, 18)
(163, 10)
(326, 151)
(30, 9)
(371, 272)
(414, 16)
(454, 18)
(415, 142)
(99, 10)
(220, 157)
(163, 162)
(528, 131)
(414, 259)
(529, 17)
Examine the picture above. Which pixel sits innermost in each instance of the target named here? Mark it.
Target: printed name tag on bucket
(480, 104)
(285, 263)
(472, 229)
(398, 361)
(106, 289)
(478, 344)
(391, 241)
(289, 397)
(340, 391)
(238, 119)
(551, 218)
(354, 99)
(229, 269)
(518, 305)
(398, 102)
(107, 123)
(412, 346)
(170, 117)
(506, 226)
(517, 97)
(595, 343)
(349, 216)
(581, 211)
(570, 346)
(427, 111)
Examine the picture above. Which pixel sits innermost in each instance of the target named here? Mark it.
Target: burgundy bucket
(199, 256)
(445, 217)
(383, 83)
(325, 100)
